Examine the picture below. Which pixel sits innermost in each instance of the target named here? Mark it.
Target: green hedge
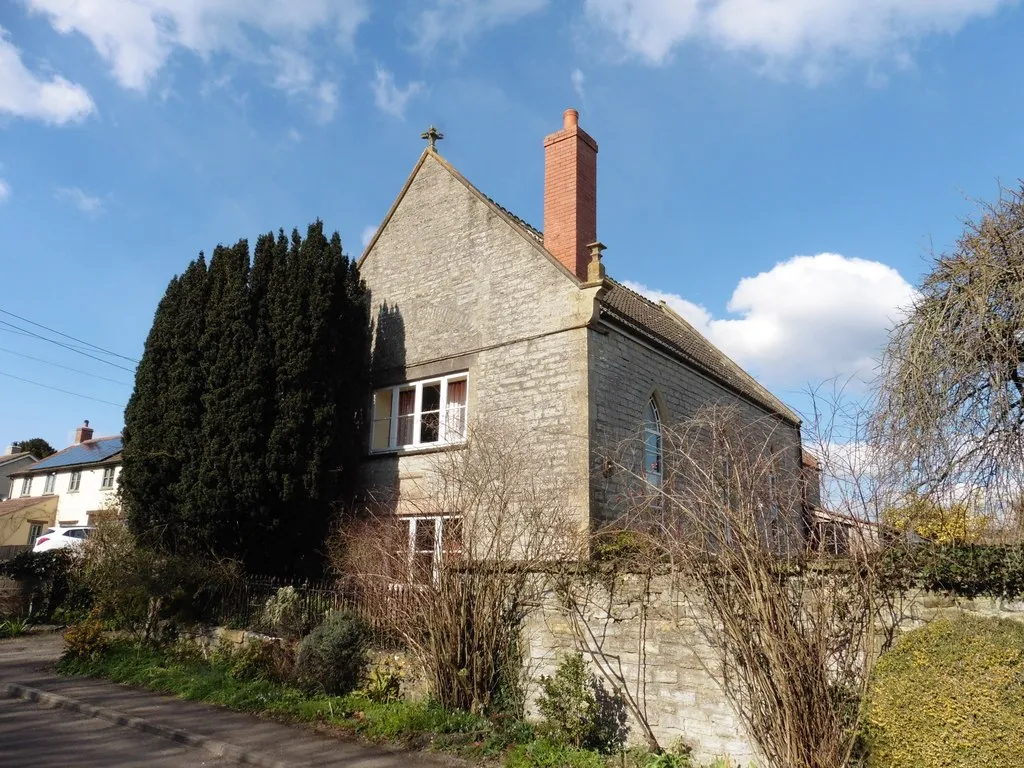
(950, 695)
(967, 571)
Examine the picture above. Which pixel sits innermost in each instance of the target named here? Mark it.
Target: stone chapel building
(479, 315)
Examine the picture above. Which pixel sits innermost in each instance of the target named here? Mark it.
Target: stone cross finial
(595, 269)
(433, 136)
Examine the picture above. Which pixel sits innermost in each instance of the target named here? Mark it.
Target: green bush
(257, 660)
(47, 578)
(85, 641)
(333, 656)
(578, 711)
(949, 695)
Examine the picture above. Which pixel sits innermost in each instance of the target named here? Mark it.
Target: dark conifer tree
(164, 415)
(259, 374)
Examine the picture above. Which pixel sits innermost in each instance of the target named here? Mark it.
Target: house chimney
(83, 433)
(12, 449)
(570, 194)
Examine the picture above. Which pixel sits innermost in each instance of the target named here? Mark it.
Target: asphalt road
(32, 736)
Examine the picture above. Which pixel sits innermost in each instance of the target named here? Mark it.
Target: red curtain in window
(406, 411)
(456, 415)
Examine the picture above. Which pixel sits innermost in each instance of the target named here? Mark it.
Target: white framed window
(35, 530)
(49, 483)
(26, 486)
(432, 540)
(652, 444)
(420, 414)
(108, 478)
(75, 482)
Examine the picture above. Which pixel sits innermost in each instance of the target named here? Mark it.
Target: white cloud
(577, 83)
(5, 190)
(810, 35)
(86, 203)
(391, 99)
(297, 76)
(806, 319)
(51, 99)
(137, 37)
(456, 21)
(368, 232)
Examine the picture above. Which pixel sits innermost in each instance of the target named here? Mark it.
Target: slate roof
(14, 457)
(662, 325)
(88, 452)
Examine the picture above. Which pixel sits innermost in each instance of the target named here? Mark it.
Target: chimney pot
(83, 433)
(571, 119)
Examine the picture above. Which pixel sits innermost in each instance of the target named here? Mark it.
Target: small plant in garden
(14, 627)
(333, 656)
(668, 760)
(256, 660)
(384, 682)
(282, 612)
(85, 640)
(577, 711)
(545, 753)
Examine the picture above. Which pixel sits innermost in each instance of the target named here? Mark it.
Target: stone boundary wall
(644, 644)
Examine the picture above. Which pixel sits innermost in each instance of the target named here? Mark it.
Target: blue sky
(778, 171)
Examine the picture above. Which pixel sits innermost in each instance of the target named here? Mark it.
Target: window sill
(416, 450)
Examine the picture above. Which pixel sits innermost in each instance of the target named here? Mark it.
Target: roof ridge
(517, 219)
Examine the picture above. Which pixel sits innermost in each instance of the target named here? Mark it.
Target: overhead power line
(65, 367)
(58, 389)
(68, 336)
(75, 349)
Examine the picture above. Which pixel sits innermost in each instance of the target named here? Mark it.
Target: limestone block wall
(624, 373)
(644, 644)
(455, 286)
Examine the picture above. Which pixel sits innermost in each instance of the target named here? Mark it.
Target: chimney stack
(83, 433)
(570, 195)
(12, 449)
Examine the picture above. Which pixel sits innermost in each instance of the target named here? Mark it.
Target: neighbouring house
(478, 315)
(13, 460)
(81, 479)
(21, 520)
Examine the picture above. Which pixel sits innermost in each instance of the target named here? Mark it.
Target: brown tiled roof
(662, 325)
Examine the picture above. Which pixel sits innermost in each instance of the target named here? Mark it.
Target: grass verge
(416, 725)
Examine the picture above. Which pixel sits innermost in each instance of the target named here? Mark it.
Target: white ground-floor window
(432, 541)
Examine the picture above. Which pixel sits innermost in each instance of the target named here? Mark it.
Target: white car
(58, 538)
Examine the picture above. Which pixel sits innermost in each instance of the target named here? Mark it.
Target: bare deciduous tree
(459, 604)
(950, 412)
(795, 633)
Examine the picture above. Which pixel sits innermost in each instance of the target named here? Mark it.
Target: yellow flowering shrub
(950, 695)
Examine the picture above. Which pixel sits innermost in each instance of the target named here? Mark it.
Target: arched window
(652, 444)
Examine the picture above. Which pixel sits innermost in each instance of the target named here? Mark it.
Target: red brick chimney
(570, 194)
(83, 433)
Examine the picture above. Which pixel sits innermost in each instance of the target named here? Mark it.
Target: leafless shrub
(795, 632)
(456, 572)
